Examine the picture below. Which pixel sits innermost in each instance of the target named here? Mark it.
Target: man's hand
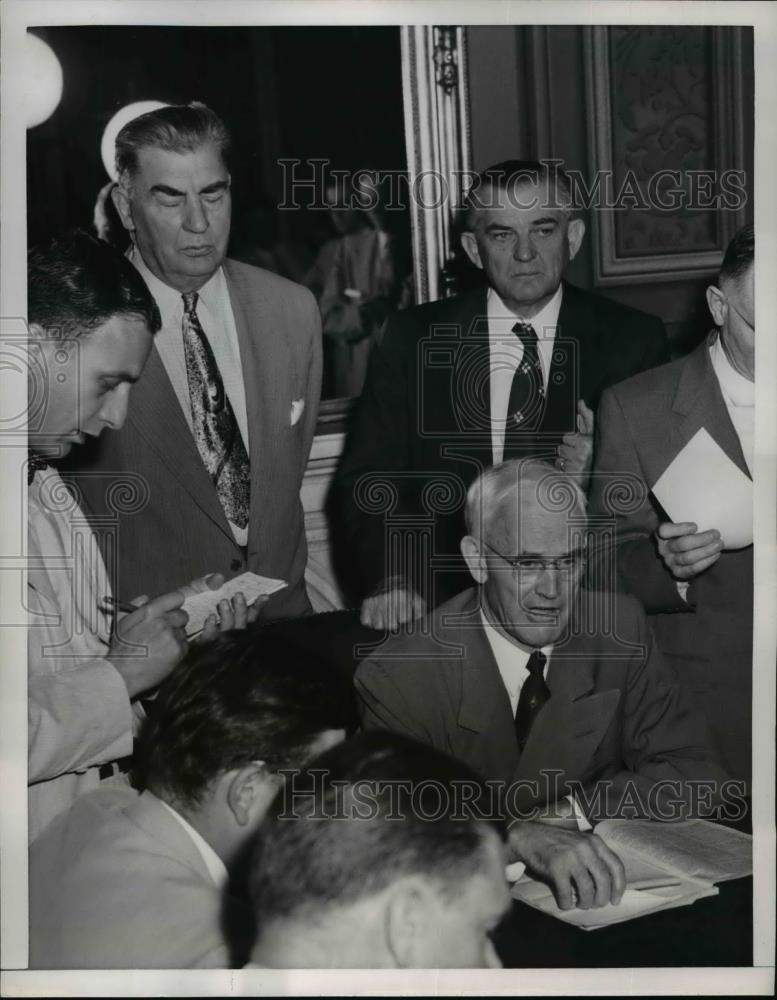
(391, 606)
(234, 614)
(685, 550)
(148, 643)
(579, 867)
(575, 453)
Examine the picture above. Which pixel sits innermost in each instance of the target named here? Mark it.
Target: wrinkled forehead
(156, 165)
(524, 196)
(543, 522)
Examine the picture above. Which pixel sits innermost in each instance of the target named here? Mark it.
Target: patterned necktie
(216, 432)
(527, 396)
(534, 694)
(35, 463)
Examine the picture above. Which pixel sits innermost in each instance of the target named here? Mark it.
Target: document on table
(251, 586)
(667, 865)
(703, 485)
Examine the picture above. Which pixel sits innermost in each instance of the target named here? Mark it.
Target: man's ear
(470, 246)
(473, 555)
(121, 201)
(575, 234)
(250, 791)
(409, 918)
(717, 304)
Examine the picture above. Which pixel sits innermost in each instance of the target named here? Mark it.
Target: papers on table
(703, 485)
(251, 586)
(667, 865)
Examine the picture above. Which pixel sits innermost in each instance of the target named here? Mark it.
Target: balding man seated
(557, 694)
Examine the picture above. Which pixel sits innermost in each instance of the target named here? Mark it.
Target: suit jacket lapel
(156, 414)
(565, 378)
(699, 403)
(263, 355)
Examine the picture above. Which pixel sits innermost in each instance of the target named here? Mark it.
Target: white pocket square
(297, 406)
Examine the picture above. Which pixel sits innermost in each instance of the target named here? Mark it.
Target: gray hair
(533, 482)
(177, 128)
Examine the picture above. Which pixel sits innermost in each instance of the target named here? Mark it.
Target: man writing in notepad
(91, 326)
(699, 595)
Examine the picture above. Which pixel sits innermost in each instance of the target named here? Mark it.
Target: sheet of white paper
(199, 606)
(703, 485)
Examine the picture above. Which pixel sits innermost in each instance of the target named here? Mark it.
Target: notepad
(703, 485)
(199, 606)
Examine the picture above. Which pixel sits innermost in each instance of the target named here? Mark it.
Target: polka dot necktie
(527, 395)
(216, 432)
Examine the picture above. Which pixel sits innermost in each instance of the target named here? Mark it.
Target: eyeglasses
(534, 565)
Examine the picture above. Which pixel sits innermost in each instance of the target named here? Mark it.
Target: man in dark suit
(206, 474)
(457, 385)
(545, 689)
(698, 593)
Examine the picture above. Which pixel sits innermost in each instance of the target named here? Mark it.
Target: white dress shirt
(216, 867)
(78, 708)
(511, 659)
(739, 397)
(506, 351)
(214, 311)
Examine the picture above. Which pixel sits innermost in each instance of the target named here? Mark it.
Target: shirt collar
(506, 650)
(737, 389)
(170, 299)
(500, 316)
(216, 867)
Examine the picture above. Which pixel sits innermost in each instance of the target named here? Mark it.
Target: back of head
(361, 817)
(247, 696)
(739, 256)
(176, 128)
(76, 283)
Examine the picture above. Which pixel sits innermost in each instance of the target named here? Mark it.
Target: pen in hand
(113, 604)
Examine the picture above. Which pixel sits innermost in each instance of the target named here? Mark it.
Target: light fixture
(116, 124)
(41, 89)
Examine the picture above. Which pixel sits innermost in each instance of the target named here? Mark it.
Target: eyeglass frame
(577, 557)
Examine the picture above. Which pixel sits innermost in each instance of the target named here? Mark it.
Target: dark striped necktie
(216, 432)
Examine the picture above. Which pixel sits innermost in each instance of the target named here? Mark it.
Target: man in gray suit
(132, 881)
(555, 694)
(219, 434)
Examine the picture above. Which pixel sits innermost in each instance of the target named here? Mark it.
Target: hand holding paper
(201, 606)
(702, 486)
(686, 551)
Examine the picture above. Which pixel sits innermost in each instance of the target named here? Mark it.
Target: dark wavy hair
(248, 695)
(363, 815)
(76, 283)
(177, 128)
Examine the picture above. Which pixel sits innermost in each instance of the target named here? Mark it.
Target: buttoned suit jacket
(154, 506)
(642, 425)
(421, 431)
(615, 727)
(117, 883)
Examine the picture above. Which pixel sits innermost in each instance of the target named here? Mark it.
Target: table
(714, 931)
